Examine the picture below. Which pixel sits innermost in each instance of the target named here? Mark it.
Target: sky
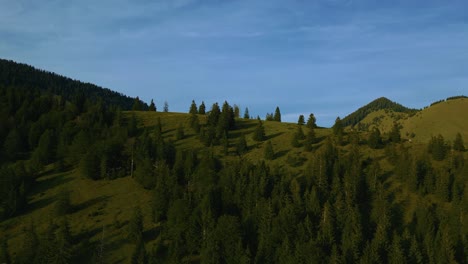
(327, 57)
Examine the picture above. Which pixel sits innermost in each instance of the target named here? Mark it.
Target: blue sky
(328, 57)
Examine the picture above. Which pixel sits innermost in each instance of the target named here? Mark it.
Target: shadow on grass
(269, 137)
(245, 125)
(280, 154)
(90, 203)
(151, 234)
(41, 185)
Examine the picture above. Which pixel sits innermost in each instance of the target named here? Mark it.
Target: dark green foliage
(301, 120)
(4, 254)
(16, 182)
(45, 151)
(375, 139)
(241, 146)
(135, 226)
(194, 123)
(277, 116)
(395, 136)
(458, 144)
(311, 121)
(269, 153)
(180, 132)
(139, 255)
(29, 246)
(137, 104)
(310, 139)
(295, 140)
(437, 147)
(62, 204)
(193, 108)
(22, 76)
(12, 145)
(152, 106)
(269, 117)
(259, 132)
(236, 111)
(202, 108)
(378, 104)
(246, 113)
(300, 133)
(166, 107)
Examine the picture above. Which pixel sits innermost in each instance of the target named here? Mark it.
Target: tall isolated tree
(246, 113)
(259, 132)
(338, 128)
(269, 153)
(193, 108)
(395, 135)
(166, 107)
(152, 106)
(301, 120)
(311, 121)
(137, 104)
(277, 116)
(236, 111)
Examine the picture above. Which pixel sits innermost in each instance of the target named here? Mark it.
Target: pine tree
(269, 153)
(311, 121)
(241, 145)
(236, 111)
(300, 133)
(259, 132)
(395, 136)
(139, 255)
(458, 144)
(180, 132)
(193, 108)
(137, 104)
(277, 116)
(4, 255)
(246, 113)
(301, 120)
(166, 107)
(310, 139)
(135, 226)
(202, 108)
(295, 141)
(375, 140)
(152, 107)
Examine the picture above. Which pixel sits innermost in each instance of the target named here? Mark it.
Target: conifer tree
(301, 120)
(135, 226)
(152, 107)
(277, 116)
(295, 140)
(300, 133)
(137, 104)
(458, 144)
(236, 111)
(193, 108)
(166, 107)
(4, 254)
(202, 108)
(375, 140)
(259, 132)
(269, 153)
(311, 121)
(241, 145)
(246, 113)
(395, 136)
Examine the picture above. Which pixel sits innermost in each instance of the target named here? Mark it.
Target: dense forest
(212, 204)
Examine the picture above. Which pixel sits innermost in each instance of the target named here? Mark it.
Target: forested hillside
(378, 104)
(18, 75)
(93, 184)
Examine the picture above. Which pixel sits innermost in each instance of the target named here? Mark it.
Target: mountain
(19, 75)
(381, 103)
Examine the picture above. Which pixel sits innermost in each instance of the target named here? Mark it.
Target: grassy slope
(447, 118)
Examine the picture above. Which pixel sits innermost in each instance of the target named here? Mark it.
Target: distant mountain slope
(381, 103)
(13, 74)
(446, 118)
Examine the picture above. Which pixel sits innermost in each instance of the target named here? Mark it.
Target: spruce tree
(166, 107)
(269, 153)
(458, 144)
(246, 113)
(180, 132)
(277, 116)
(300, 133)
(137, 104)
(152, 107)
(311, 121)
(259, 132)
(375, 140)
(202, 108)
(241, 145)
(301, 120)
(135, 226)
(395, 136)
(193, 108)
